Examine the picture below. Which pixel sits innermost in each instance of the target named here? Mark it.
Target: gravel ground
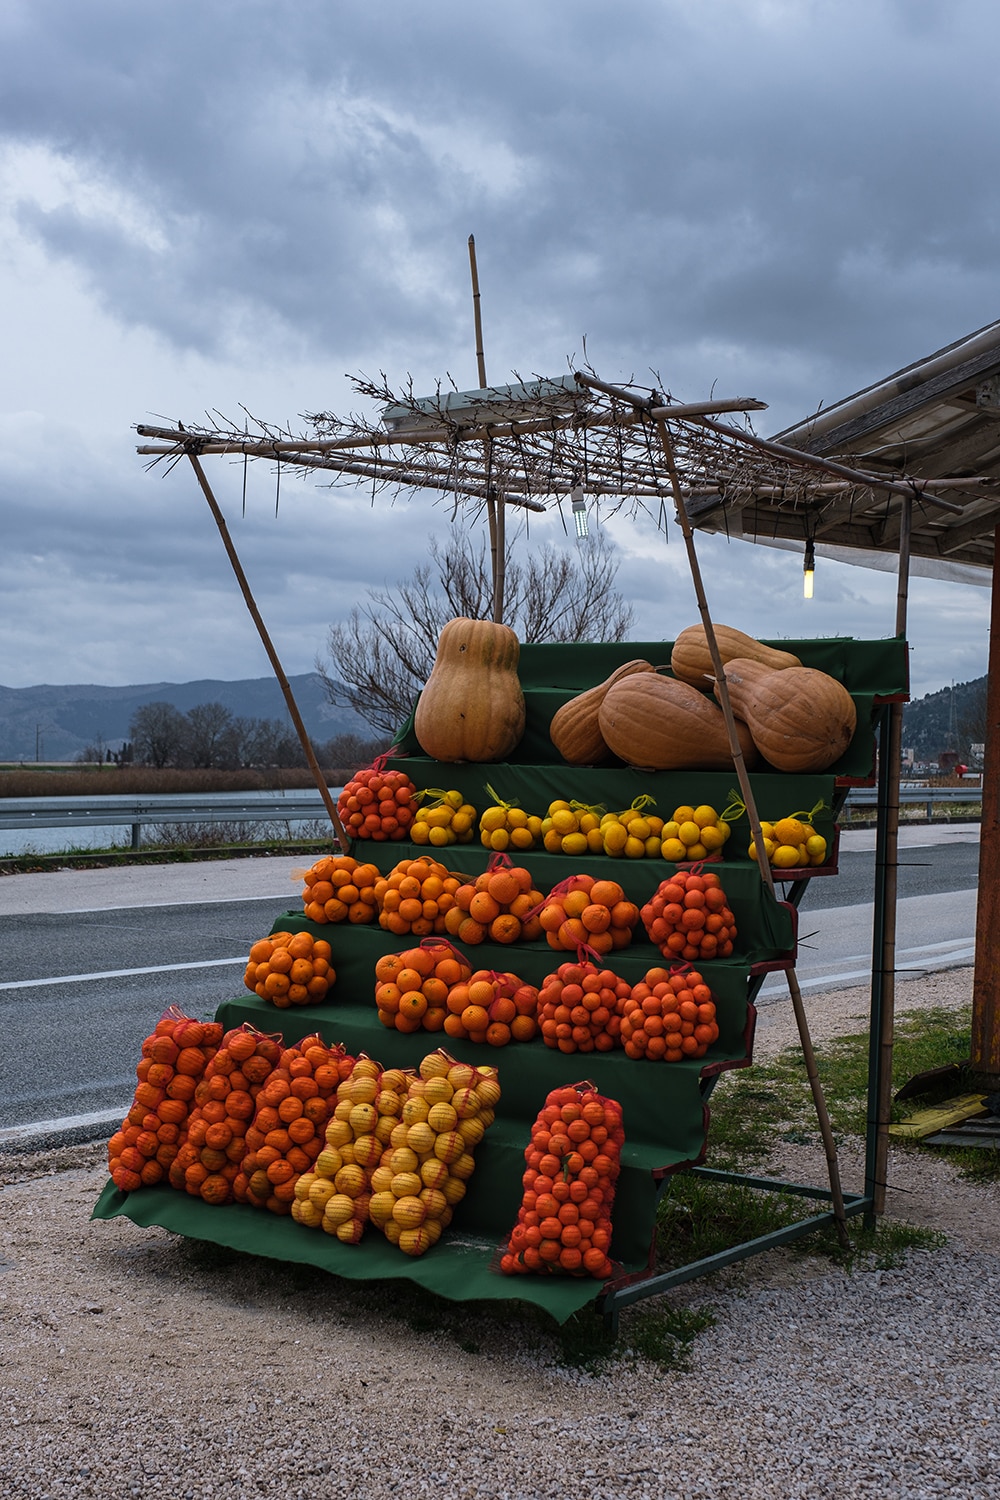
(138, 1364)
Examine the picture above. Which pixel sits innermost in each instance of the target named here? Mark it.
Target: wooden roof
(938, 419)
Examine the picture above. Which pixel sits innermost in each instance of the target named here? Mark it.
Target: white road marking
(18, 1133)
(205, 963)
(84, 911)
(954, 952)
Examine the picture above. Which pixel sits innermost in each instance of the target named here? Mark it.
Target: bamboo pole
(801, 1021)
(279, 671)
(493, 517)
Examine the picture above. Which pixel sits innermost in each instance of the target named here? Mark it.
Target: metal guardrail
(867, 796)
(138, 812)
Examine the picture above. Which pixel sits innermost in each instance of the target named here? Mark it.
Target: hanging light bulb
(579, 510)
(808, 569)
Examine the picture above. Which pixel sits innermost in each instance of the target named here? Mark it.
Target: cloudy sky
(212, 206)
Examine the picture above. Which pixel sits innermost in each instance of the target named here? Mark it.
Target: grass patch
(657, 1332)
(756, 1109)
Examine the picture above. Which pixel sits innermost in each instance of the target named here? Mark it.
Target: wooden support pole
(801, 1021)
(283, 683)
(494, 515)
(986, 980)
(884, 946)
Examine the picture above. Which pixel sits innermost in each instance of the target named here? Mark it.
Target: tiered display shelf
(665, 1105)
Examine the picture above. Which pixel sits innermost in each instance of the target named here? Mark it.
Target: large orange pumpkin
(472, 707)
(691, 661)
(655, 721)
(801, 719)
(575, 730)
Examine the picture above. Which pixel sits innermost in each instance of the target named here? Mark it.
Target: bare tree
(271, 743)
(349, 752)
(158, 732)
(211, 742)
(382, 656)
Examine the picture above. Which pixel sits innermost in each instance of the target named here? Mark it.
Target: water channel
(119, 836)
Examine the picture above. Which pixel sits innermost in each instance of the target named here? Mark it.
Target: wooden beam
(894, 409)
(956, 538)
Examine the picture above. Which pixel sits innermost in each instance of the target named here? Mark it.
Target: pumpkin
(801, 719)
(574, 729)
(668, 725)
(472, 707)
(691, 661)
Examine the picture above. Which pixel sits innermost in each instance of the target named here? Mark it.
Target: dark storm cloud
(789, 197)
(778, 178)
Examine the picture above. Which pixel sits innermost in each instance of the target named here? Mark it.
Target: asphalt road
(88, 961)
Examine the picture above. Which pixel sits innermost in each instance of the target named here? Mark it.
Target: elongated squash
(575, 730)
(655, 721)
(691, 661)
(801, 719)
(472, 707)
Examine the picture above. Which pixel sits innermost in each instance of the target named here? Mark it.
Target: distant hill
(56, 723)
(953, 718)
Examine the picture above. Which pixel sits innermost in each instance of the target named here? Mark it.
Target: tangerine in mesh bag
(213, 1139)
(340, 888)
(579, 1005)
(669, 1016)
(292, 1109)
(143, 1149)
(572, 1162)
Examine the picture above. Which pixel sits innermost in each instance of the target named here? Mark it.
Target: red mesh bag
(291, 1112)
(213, 1142)
(583, 909)
(501, 905)
(670, 1015)
(174, 1058)
(579, 1005)
(411, 987)
(493, 1007)
(688, 916)
(377, 804)
(572, 1162)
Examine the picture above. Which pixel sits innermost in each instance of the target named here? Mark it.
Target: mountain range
(49, 723)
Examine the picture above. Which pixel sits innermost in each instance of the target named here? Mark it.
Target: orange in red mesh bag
(579, 1005)
(292, 1109)
(411, 988)
(493, 1007)
(141, 1152)
(212, 1143)
(572, 1163)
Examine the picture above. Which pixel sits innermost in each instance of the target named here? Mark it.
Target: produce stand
(666, 1108)
(604, 448)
